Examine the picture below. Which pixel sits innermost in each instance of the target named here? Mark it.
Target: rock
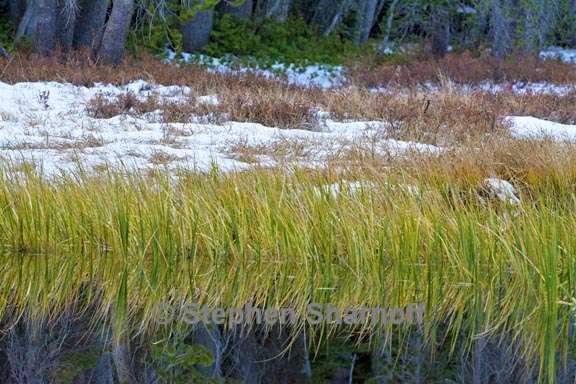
(494, 188)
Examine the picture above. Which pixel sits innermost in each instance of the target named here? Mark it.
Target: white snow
(518, 88)
(522, 88)
(208, 100)
(502, 190)
(557, 53)
(527, 127)
(47, 123)
(317, 75)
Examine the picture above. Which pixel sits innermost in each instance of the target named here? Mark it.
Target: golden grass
(122, 243)
(126, 243)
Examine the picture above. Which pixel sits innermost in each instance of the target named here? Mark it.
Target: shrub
(271, 42)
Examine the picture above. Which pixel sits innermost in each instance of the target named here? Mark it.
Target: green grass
(279, 239)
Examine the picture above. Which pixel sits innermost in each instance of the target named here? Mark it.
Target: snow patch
(315, 75)
(518, 88)
(47, 123)
(528, 127)
(557, 53)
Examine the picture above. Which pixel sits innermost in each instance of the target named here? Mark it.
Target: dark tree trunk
(44, 37)
(16, 9)
(116, 32)
(273, 9)
(90, 23)
(501, 29)
(367, 10)
(196, 31)
(65, 24)
(26, 26)
(329, 14)
(242, 12)
(440, 30)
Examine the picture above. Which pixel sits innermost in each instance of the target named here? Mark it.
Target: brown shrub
(462, 68)
(103, 107)
(276, 108)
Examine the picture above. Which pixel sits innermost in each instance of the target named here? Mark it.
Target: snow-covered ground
(318, 75)
(557, 53)
(527, 127)
(48, 124)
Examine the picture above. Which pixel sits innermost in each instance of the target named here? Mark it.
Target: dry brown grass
(449, 115)
(445, 117)
(463, 68)
(281, 108)
(61, 144)
(162, 158)
(102, 107)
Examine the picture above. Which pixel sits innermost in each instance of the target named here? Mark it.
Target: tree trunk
(385, 45)
(38, 24)
(90, 23)
(121, 357)
(274, 9)
(16, 9)
(26, 27)
(65, 24)
(116, 32)
(241, 12)
(44, 38)
(327, 16)
(500, 29)
(196, 31)
(440, 29)
(367, 10)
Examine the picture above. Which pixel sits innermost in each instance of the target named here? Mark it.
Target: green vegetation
(6, 32)
(74, 363)
(271, 42)
(275, 240)
(252, 43)
(177, 362)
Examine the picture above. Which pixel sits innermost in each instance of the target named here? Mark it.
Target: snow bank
(527, 127)
(47, 123)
